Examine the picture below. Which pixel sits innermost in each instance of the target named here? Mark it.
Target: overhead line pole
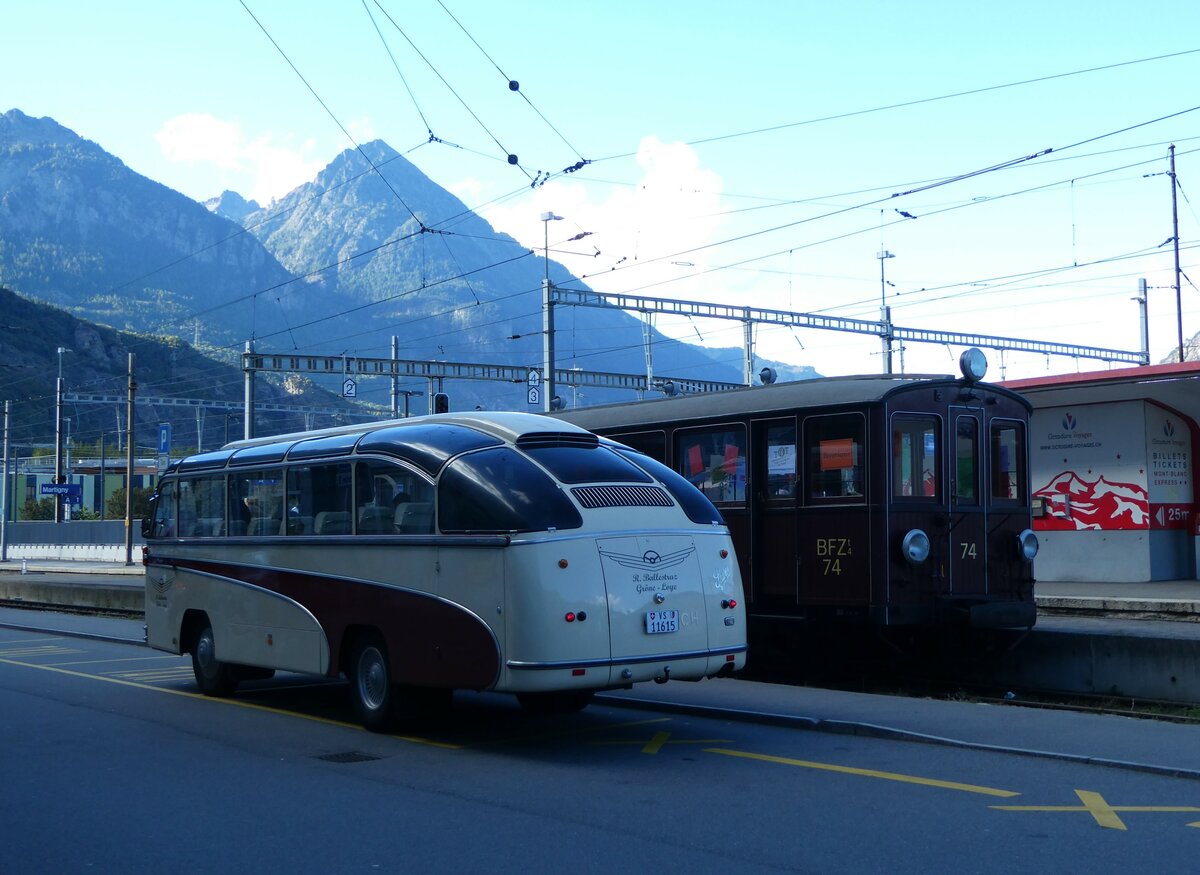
(129, 463)
(1175, 238)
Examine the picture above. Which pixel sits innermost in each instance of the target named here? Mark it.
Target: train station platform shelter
(1112, 469)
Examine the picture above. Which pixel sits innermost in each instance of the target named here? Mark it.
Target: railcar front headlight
(915, 547)
(1027, 544)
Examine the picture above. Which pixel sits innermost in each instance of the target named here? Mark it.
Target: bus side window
(165, 512)
(322, 494)
(833, 453)
(201, 503)
(256, 502)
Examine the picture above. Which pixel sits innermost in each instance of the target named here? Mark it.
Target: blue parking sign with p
(164, 438)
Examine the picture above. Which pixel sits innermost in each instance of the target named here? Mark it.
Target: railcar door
(967, 533)
(774, 486)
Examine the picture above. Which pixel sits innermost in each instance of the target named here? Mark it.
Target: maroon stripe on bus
(431, 642)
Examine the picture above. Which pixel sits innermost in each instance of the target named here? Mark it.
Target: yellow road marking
(1104, 814)
(866, 773)
(43, 650)
(31, 640)
(564, 733)
(104, 661)
(235, 702)
(656, 743)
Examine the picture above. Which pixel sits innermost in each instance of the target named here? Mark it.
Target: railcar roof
(818, 392)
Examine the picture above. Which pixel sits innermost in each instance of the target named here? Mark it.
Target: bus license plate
(662, 621)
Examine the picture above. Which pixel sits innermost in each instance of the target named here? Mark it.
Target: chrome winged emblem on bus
(651, 559)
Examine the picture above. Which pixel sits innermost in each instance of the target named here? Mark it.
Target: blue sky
(679, 200)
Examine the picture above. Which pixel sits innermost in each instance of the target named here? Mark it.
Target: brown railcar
(898, 501)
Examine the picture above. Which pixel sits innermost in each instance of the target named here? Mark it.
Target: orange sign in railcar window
(837, 454)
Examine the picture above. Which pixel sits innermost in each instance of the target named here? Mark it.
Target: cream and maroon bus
(495, 551)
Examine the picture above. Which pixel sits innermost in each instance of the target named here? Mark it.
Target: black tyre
(213, 677)
(374, 696)
(558, 702)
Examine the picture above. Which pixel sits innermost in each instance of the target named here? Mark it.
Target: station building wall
(1116, 491)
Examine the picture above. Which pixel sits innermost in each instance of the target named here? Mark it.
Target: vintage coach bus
(898, 501)
(507, 552)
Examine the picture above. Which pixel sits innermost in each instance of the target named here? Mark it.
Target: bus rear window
(499, 490)
(582, 464)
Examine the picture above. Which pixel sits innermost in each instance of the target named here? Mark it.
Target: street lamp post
(59, 391)
(885, 312)
(547, 318)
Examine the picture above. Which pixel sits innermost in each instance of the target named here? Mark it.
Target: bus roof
(426, 441)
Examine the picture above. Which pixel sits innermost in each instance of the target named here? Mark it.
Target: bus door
(774, 486)
(967, 542)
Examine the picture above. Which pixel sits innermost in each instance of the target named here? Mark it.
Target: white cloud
(673, 207)
(262, 168)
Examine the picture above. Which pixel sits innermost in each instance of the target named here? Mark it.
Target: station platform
(1128, 640)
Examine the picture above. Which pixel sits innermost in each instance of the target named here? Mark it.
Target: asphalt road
(112, 763)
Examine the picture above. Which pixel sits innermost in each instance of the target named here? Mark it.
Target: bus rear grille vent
(348, 756)
(622, 496)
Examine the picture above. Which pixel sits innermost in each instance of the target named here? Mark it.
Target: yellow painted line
(865, 773)
(43, 650)
(105, 661)
(658, 741)
(235, 702)
(155, 675)
(31, 640)
(564, 733)
(1102, 812)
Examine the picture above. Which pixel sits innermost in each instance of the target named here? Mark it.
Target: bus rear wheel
(374, 695)
(213, 677)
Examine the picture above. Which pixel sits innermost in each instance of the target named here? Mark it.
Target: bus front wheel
(374, 695)
(213, 677)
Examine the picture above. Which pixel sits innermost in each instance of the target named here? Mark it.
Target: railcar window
(499, 490)
(915, 457)
(651, 443)
(1008, 462)
(580, 464)
(834, 448)
(781, 461)
(319, 500)
(714, 461)
(966, 471)
(256, 502)
(165, 505)
(698, 508)
(202, 506)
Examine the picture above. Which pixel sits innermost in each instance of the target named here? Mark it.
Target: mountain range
(369, 249)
